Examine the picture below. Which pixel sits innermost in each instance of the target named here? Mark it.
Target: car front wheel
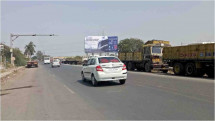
(122, 81)
(83, 78)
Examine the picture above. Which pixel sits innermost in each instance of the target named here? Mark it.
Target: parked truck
(191, 60)
(71, 60)
(150, 58)
(32, 64)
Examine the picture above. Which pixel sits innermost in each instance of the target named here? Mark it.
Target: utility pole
(15, 36)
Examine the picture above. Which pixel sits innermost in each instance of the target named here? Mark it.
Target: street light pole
(16, 36)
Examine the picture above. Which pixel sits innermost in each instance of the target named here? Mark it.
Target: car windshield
(108, 60)
(156, 49)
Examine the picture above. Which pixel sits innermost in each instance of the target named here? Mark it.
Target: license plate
(112, 69)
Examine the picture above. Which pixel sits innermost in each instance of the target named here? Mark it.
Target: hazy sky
(178, 22)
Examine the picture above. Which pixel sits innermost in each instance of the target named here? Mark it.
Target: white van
(47, 60)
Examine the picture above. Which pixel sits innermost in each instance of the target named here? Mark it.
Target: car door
(86, 70)
(92, 66)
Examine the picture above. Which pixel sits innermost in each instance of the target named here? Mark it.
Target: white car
(104, 68)
(55, 63)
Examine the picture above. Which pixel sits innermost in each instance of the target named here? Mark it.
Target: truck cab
(148, 59)
(152, 57)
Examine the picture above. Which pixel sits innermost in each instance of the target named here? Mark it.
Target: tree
(34, 58)
(130, 45)
(29, 49)
(39, 55)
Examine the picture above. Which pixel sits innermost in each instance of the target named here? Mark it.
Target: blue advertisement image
(113, 44)
(95, 44)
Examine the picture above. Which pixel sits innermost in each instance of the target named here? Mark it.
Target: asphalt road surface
(59, 94)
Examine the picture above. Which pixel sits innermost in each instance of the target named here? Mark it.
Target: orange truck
(32, 64)
(191, 60)
(150, 58)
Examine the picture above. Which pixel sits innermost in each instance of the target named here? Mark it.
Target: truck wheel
(130, 66)
(178, 69)
(148, 67)
(190, 69)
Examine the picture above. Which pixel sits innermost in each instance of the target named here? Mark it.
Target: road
(59, 94)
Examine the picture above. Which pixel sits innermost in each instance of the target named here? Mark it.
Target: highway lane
(144, 96)
(60, 94)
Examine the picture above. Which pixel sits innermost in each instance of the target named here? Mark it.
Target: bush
(20, 58)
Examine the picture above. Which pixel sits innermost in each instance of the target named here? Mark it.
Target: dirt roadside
(11, 73)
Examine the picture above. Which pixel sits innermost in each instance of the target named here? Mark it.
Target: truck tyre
(190, 69)
(122, 81)
(94, 81)
(148, 67)
(130, 66)
(178, 69)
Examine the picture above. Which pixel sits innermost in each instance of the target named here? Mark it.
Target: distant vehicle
(148, 59)
(191, 60)
(104, 68)
(32, 64)
(47, 60)
(55, 63)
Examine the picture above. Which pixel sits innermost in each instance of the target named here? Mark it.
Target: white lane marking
(69, 89)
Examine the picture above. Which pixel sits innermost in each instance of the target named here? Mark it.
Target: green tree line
(130, 45)
(20, 59)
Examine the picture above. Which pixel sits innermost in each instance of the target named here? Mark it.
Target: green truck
(191, 60)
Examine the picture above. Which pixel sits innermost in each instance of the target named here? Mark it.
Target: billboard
(99, 44)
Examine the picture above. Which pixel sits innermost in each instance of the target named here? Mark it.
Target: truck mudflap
(160, 67)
